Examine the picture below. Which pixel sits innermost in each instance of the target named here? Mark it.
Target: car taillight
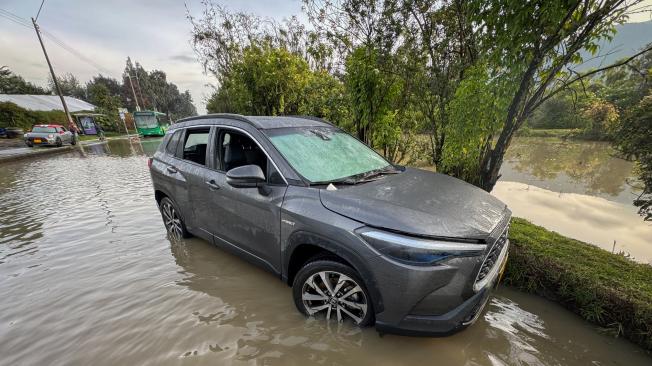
(149, 163)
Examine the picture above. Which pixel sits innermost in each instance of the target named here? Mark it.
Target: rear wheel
(333, 289)
(172, 220)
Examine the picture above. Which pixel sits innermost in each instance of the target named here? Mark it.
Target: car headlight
(50, 136)
(419, 251)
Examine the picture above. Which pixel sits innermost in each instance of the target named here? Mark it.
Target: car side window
(238, 149)
(171, 147)
(195, 145)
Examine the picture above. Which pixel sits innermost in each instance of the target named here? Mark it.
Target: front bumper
(454, 320)
(43, 142)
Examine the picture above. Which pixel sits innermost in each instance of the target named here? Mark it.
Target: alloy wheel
(172, 220)
(336, 294)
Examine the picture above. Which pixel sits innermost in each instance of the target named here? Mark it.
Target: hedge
(607, 289)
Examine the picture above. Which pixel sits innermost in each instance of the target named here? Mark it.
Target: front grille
(492, 257)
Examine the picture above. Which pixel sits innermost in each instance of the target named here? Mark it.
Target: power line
(14, 18)
(39, 10)
(24, 22)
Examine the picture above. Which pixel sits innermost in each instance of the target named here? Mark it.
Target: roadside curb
(41, 151)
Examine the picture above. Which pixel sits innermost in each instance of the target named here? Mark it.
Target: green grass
(604, 288)
(546, 132)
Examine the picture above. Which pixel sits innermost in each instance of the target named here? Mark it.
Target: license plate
(37, 141)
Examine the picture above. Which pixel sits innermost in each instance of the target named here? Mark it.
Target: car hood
(421, 203)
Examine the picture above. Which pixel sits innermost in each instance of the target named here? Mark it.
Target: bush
(11, 115)
(604, 288)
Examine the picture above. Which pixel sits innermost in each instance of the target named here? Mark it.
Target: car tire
(346, 297)
(59, 143)
(172, 219)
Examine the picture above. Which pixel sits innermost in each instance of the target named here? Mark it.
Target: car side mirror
(245, 176)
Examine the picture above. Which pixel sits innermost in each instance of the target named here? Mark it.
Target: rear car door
(165, 170)
(245, 218)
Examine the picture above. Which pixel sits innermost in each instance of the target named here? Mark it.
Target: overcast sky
(154, 33)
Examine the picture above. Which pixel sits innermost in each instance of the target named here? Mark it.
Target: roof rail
(238, 117)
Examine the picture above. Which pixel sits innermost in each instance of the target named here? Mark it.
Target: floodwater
(579, 189)
(89, 276)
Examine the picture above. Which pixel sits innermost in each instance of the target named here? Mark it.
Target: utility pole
(54, 76)
(133, 91)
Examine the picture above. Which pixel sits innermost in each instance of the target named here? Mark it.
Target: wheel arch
(304, 247)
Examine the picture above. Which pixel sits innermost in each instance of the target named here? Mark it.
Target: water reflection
(586, 167)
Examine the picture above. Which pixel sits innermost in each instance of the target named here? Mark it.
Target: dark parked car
(356, 237)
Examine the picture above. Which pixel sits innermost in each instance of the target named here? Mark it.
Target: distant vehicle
(151, 123)
(357, 238)
(11, 132)
(52, 135)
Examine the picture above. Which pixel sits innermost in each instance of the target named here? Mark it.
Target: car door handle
(212, 185)
(172, 170)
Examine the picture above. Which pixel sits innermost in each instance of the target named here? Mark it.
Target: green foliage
(371, 93)
(69, 85)
(11, 83)
(107, 105)
(607, 289)
(632, 137)
(477, 112)
(562, 111)
(266, 81)
(11, 115)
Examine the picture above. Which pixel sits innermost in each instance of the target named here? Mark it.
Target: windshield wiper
(347, 181)
(370, 175)
(360, 178)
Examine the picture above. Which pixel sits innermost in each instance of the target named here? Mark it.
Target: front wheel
(59, 143)
(333, 289)
(172, 220)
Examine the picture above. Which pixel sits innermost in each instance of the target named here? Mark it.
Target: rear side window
(195, 145)
(171, 147)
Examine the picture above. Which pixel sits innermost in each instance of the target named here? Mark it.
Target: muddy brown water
(89, 276)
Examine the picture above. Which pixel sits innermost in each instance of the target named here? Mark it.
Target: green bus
(151, 123)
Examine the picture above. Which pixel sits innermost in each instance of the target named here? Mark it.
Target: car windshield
(146, 121)
(325, 154)
(44, 129)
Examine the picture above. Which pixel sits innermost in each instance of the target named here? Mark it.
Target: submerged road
(89, 276)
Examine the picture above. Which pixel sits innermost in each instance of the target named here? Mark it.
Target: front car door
(247, 219)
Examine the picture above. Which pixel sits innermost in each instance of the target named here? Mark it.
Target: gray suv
(356, 237)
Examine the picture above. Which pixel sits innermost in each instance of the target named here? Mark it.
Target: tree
(69, 85)
(534, 45)
(634, 139)
(11, 83)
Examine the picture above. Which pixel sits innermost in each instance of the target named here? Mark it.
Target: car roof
(42, 125)
(260, 122)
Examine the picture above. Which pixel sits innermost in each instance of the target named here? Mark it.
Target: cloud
(183, 58)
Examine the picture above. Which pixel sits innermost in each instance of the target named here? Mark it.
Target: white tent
(46, 102)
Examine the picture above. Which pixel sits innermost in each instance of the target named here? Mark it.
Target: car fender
(302, 237)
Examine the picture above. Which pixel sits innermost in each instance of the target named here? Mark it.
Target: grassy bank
(562, 133)
(604, 288)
